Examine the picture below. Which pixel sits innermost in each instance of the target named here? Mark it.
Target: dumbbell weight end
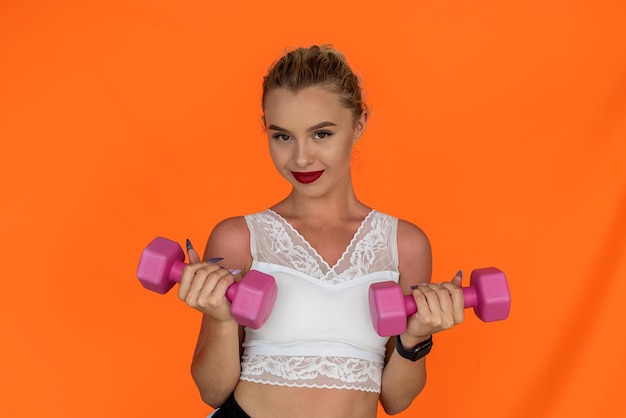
(161, 258)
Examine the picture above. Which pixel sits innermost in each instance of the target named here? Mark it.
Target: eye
(322, 134)
(281, 137)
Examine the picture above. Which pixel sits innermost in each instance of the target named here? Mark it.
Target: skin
(311, 131)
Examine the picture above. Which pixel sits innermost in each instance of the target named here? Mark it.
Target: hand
(439, 307)
(203, 286)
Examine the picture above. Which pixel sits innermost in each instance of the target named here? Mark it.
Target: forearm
(402, 379)
(216, 364)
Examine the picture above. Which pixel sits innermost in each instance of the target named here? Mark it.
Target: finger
(420, 301)
(189, 274)
(441, 305)
(439, 314)
(223, 283)
(204, 283)
(426, 298)
(458, 279)
(197, 285)
(444, 298)
(213, 291)
(209, 271)
(192, 253)
(193, 278)
(458, 301)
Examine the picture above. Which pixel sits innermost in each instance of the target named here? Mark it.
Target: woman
(317, 355)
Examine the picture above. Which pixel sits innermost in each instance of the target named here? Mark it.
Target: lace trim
(305, 243)
(366, 256)
(313, 372)
(280, 243)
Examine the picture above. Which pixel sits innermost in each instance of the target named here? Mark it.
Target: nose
(303, 154)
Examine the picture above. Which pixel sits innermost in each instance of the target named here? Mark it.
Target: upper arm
(230, 239)
(414, 255)
(414, 262)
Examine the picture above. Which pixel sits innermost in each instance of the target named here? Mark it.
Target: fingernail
(214, 260)
(415, 286)
(460, 273)
(189, 246)
(235, 272)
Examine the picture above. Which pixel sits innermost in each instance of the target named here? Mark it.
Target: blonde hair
(316, 66)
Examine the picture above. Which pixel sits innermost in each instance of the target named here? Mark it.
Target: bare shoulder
(230, 239)
(414, 255)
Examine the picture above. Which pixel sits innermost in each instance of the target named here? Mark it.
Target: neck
(340, 204)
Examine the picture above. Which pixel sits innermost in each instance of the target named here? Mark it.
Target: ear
(359, 126)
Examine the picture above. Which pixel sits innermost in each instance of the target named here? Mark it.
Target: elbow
(212, 401)
(395, 405)
(215, 399)
(399, 403)
(208, 400)
(395, 408)
(210, 395)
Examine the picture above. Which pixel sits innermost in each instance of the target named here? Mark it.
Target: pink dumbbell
(252, 299)
(488, 293)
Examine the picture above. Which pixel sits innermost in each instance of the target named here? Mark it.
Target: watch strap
(415, 353)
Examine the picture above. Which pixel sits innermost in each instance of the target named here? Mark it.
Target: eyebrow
(312, 128)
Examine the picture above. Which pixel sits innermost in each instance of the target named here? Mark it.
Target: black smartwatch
(416, 352)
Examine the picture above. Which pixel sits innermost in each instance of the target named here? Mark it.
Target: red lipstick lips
(308, 177)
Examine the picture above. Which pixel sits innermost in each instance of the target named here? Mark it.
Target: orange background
(498, 127)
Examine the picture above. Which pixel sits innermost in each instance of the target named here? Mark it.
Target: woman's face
(311, 135)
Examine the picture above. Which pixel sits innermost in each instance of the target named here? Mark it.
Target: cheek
(277, 156)
(344, 153)
(337, 159)
(275, 159)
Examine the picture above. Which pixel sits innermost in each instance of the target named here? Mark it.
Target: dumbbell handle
(470, 300)
(176, 273)
(488, 293)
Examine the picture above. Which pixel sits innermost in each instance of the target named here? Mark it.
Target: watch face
(423, 350)
(416, 352)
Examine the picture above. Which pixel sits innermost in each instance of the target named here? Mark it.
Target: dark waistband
(231, 409)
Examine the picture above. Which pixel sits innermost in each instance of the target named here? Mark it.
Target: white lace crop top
(319, 334)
